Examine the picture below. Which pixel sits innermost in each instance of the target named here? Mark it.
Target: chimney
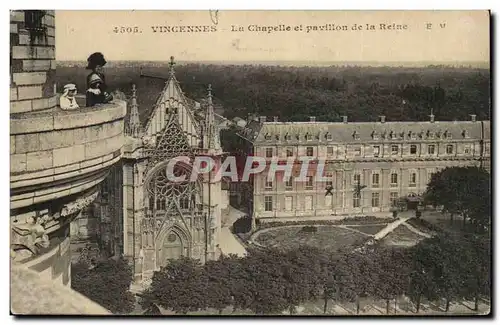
(382, 119)
(275, 119)
(473, 117)
(344, 119)
(312, 118)
(262, 119)
(432, 118)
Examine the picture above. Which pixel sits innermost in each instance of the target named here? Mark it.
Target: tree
(267, 284)
(462, 191)
(338, 281)
(223, 279)
(450, 266)
(394, 272)
(477, 263)
(445, 260)
(364, 273)
(107, 283)
(302, 274)
(180, 286)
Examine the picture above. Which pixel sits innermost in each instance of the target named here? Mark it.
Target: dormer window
(393, 135)
(329, 136)
(375, 135)
(355, 135)
(267, 137)
(438, 134)
(466, 134)
(430, 134)
(288, 137)
(277, 137)
(447, 134)
(412, 135)
(308, 136)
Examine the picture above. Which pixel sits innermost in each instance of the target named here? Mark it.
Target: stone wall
(32, 60)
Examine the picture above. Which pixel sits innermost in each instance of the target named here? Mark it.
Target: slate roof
(359, 132)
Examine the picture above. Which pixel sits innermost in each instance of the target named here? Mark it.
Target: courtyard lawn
(369, 229)
(327, 237)
(401, 236)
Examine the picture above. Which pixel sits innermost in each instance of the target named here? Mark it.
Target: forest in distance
(294, 93)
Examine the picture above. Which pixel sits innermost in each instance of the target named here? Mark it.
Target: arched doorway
(174, 246)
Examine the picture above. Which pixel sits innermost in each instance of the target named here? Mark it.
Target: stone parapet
(63, 152)
(31, 294)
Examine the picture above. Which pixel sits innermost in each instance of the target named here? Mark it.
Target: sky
(453, 36)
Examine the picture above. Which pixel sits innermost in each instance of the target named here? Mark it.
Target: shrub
(242, 225)
(309, 229)
(107, 283)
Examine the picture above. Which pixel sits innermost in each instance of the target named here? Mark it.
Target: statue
(68, 100)
(96, 82)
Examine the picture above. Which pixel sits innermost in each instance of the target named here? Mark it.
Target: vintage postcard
(250, 163)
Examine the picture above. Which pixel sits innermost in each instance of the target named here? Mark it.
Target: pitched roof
(338, 132)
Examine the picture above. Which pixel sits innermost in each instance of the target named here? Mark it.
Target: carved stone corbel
(78, 204)
(28, 236)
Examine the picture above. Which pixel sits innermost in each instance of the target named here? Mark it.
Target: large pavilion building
(370, 167)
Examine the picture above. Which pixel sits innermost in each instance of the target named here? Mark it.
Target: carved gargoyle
(29, 236)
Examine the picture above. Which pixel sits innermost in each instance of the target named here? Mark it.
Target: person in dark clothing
(96, 82)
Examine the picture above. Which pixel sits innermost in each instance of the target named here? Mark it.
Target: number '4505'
(126, 30)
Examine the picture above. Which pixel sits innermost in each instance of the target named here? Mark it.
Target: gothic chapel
(150, 219)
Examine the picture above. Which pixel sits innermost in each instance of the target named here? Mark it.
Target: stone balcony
(57, 153)
(58, 159)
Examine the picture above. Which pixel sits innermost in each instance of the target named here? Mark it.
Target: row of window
(395, 150)
(412, 180)
(374, 135)
(308, 203)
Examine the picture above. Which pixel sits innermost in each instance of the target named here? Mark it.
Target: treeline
(295, 93)
(272, 281)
